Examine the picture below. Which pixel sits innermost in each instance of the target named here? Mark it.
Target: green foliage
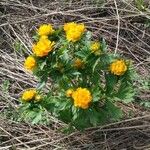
(19, 47)
(93, 73)
(140, 4)
(5, 86)
(146, 104)
(143, 86)
(33, 113)
(147, 23)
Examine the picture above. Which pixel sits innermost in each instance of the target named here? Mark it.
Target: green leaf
(42, 65)
(113, 112)
(125, 93)
(75, 113)
(37, 118)
(65, 115)
(104, 46)
(80, 54)
(5, 85)
(95, 64)
(88, 35)
(96, 94)
(111, 81)
(41, 85)
(36, 37)
(63, 82)
(76, 73)
(94, 117)
(140, 4)
(145, 104)
(95, 78)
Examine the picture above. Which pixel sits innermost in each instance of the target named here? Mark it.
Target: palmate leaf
(75, 112)
(63, 82)
(48, 102)
(104, 45)
(105, 60)
(96, 93)
(65, 113)
(82, 54)
(37, 118)
(95, 78)
(82, 120)
(94, 117)
(55, 35)
(88, 35)
(146, 104)
(125, 93)
(111, 81)
(96, 63)
(112, 111)
(36, 37)
(32, 113)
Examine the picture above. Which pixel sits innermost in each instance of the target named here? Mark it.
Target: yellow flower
(69, 92)
(38, 98)
(82, 98)
(81, 27)
(118, 67)
(74, 31)
(43, 47)
(73, 35)
(43, 37)
(68, 26)
(30, 63)
(45, 29)
(95, 48)
(28, 95)
(79, 64)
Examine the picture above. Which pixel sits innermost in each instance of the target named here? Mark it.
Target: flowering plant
(88, 81)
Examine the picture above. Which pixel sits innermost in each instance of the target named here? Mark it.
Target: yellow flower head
(73, 35)
(69, 92)
(118, 67)
(79, 64)
(30, 63)
(43, 37)
(95, 48)
(43, 47)
(68, 26)
(38, 98)
(28, 95)
(81, 27)
(45, 29)
(82, 98)
(74, 31)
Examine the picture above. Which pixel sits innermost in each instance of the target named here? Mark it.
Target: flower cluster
(83, 73)
(118, 67)
(43, 47)
(30, 63)
(45, 30)
(74, 31)
(30, 94)
(78, 64)
(95, 48)
(81, 96)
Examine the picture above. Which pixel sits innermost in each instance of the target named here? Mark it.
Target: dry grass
(125, 30)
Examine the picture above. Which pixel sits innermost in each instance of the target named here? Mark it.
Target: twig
(117, 42)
